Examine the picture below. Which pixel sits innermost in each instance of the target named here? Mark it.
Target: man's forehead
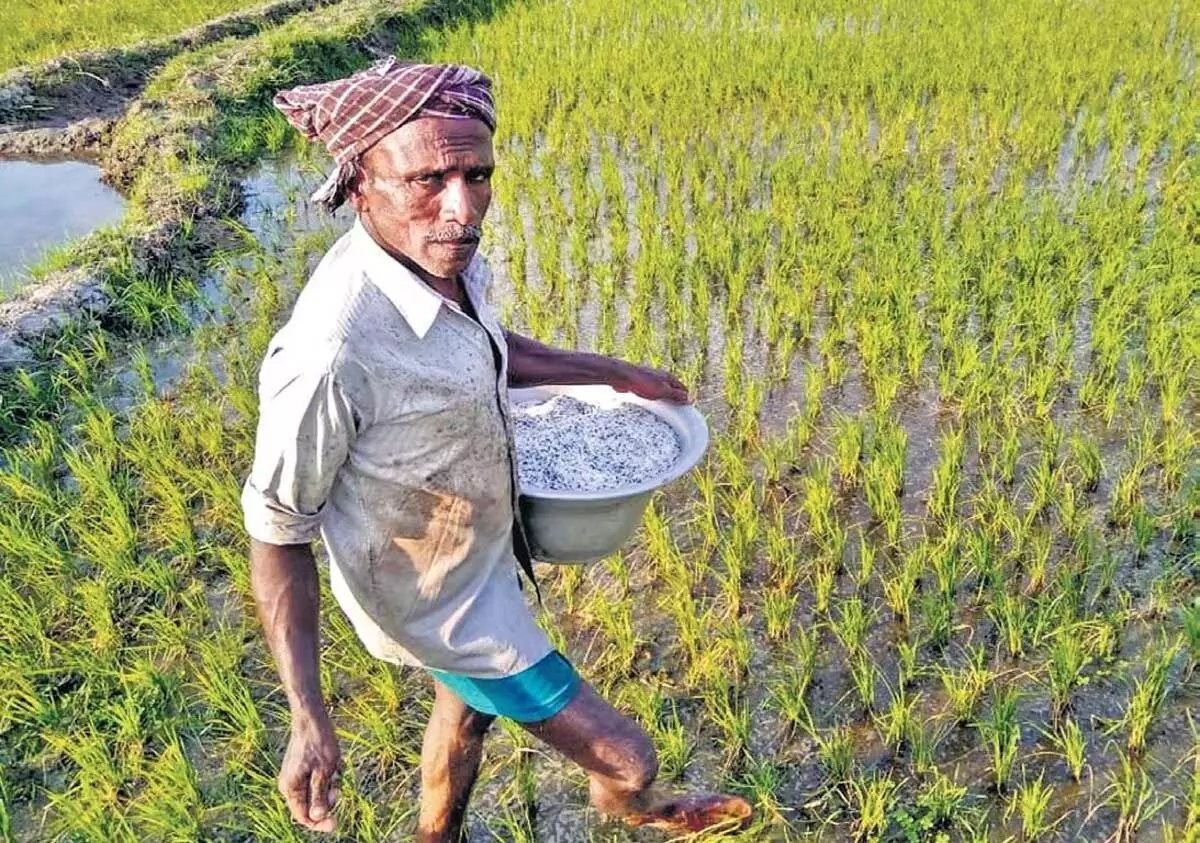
(432, 141)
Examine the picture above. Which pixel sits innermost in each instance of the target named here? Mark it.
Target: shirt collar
(417, 302)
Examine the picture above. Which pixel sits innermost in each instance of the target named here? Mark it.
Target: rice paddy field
(933, 270)
(32, 30)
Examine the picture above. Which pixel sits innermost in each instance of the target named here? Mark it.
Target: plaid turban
(351, 115)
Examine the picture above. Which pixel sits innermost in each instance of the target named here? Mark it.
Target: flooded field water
(44, 204)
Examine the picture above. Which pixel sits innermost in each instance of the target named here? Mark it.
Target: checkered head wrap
(351, 115)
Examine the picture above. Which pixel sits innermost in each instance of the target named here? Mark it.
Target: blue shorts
(536, 693)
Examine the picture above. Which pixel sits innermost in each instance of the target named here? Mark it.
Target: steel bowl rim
(695, 429)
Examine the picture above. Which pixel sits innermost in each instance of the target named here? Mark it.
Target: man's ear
(354, 191)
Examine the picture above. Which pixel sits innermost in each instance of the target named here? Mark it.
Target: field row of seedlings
(933, 274)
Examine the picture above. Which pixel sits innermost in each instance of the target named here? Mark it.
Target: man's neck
(448, 288)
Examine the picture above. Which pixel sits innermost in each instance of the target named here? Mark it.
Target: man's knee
(475, 724)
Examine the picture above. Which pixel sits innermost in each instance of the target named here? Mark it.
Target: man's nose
(457, 203)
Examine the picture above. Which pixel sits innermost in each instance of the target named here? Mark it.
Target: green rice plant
(1070, 743)
(866, 561)
(923, 739)
(1143, 527)
(1189, 621)
(819, 499)
(1011, 616)
(1002, 732)
(835, 754)
(937, 614)
(964, 688)
(779, 606)
(864, 675)
(852, 623)
(947, 475)
(1126, 494)
(899, 589)
(1030, 801)
(674, 746)
(1068, 658)
(788, 692)
(1131, 793)
(896, 723)
(1191, 822)
(872, 799)
(908, 654)
(1146, 697)
(940, 801)
(824, 576)
(848, 437)
(730, 713)
(1006, 458)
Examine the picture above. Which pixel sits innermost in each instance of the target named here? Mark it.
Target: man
(384, 428)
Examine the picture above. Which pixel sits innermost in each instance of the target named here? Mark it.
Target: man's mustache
(455, 234)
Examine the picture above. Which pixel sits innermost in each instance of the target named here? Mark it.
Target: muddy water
(44, 204)
(277, 204)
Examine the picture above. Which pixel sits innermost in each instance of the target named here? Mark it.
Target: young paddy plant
(1132, 795)
(1068, 740)
(1001, 731)
(1029, 802)
(789, 690)
(1069, 656)
(872, 799)
(1146, 698)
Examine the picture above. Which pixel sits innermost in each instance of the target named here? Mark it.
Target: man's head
(413, 148)
(424, 189)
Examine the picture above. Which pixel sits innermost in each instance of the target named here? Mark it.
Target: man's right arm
(286, 589)
(305, 428)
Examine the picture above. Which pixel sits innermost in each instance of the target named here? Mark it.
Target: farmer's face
(424, 190)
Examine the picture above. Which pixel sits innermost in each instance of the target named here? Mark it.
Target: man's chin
(450, 259)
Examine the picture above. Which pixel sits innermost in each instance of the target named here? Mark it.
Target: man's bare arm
(287, 592)
(531, 363)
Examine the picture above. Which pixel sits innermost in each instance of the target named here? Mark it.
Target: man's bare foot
(689, 814)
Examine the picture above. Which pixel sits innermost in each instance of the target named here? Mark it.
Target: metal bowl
(578, 527)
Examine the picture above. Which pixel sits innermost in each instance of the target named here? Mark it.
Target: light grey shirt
(384, 428)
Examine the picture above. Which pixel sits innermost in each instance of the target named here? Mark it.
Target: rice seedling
(1146, 698)
(1068, 658)
(872, 799)
(1002, 732)
(1068, 739)
(835, 753)
(1131, 792)
(1030, 800)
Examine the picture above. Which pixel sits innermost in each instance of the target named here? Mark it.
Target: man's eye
(426, 179)
(481, 176)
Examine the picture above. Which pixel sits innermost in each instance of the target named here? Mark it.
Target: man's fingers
(295, 792)
(319, 803)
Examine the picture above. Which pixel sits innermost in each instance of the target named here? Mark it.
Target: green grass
(937, 575)
(32, 31)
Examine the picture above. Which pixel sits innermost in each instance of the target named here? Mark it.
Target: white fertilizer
(565, 445)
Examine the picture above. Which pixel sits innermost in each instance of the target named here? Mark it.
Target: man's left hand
(652, 384)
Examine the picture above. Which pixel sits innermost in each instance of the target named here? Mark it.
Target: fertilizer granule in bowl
(566, 445)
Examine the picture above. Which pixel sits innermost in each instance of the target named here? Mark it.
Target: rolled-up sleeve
(306, 425)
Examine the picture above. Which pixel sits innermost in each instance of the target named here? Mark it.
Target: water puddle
(277, 205)
(44, 204)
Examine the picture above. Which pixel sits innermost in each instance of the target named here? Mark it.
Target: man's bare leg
(449, 763)
(621, 764)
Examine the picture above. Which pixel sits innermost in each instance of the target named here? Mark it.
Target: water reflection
(43, 204)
